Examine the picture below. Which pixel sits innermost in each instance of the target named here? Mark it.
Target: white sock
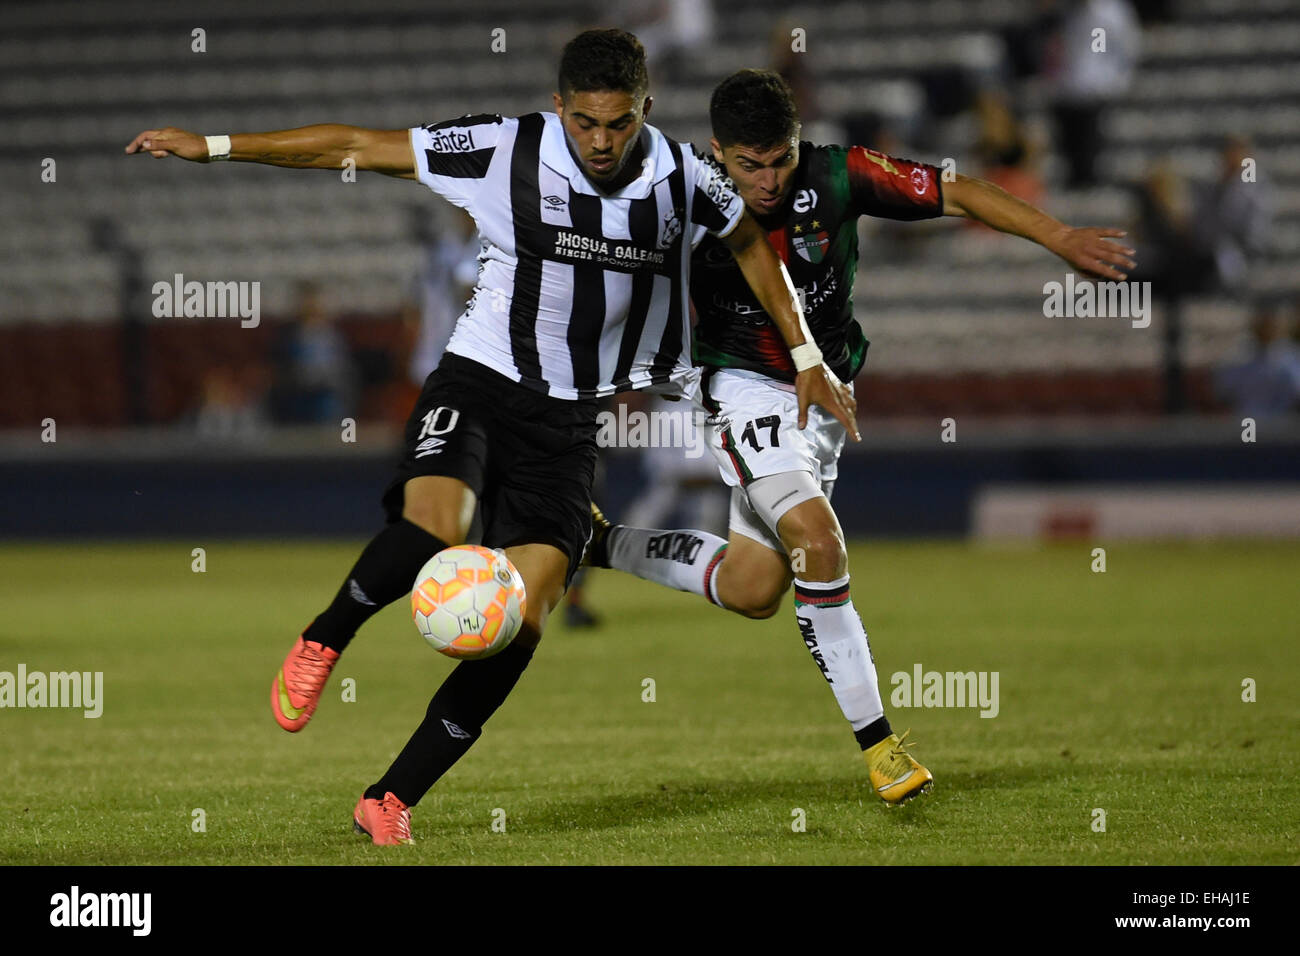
(831, 628)
(685, 560)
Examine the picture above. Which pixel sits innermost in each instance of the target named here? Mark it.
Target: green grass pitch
(1120, 691)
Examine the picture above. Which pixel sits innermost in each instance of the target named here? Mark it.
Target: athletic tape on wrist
(218, 148)
(806, 356)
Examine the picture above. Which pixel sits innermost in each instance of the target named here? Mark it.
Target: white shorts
(754, 433)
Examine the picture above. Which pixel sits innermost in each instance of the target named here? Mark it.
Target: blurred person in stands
(677, 485)
(1266, 382)
(1030, 40)
(794, 66)
(1201, 238)
(232, 405)
(1233, 214)
(316, 378)
(448, 274)
(669, 30)
(1089, 77)
(1170, 257)
(1006, 154)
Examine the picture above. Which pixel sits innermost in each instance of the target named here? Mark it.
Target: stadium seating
(955, 318)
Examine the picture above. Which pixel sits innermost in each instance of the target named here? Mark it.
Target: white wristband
(806, 356)
(218, 148)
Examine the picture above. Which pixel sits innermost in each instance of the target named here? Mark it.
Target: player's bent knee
(544, 569)
(825, 558)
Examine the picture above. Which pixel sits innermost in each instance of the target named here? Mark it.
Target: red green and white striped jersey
(816, 236)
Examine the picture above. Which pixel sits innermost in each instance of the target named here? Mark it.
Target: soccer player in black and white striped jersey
(588, 217)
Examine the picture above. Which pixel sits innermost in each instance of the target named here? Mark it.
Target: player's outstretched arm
(1088, 250)
(325, 146)
(767, 276)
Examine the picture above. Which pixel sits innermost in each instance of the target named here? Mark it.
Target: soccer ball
(468, 601)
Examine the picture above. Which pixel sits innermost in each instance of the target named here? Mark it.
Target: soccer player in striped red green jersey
(782, 465)
(808, 198)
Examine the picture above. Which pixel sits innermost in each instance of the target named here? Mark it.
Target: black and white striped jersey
(580, 294)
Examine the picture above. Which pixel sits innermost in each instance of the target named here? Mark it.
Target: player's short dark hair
(753, 108)
(599, 60)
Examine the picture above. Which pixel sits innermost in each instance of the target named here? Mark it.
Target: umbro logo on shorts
(430, 446)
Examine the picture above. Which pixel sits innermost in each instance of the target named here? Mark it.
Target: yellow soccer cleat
(895, 774)
(597, 553)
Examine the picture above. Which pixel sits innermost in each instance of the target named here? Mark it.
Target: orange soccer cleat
(295, 692)
(387, 822)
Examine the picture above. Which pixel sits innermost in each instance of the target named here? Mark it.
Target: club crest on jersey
(812, 248)
(672, 229)
(920, 180)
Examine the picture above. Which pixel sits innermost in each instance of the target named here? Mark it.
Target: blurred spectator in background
(1232, 215)
(315, 374)
(232, 405)
(1004, 151)
(1088, 79)
(679, 490)
(1168, 254)
(448, 273)
(1030, 42)
(1266, 383)
(1202, 237)
(670, 30)
(796, 69)
(1170, 258)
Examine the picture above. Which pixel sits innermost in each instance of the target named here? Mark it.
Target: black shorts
(529, 458)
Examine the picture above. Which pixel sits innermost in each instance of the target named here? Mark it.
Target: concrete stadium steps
(1215, 83)
(985, 338)
(936, 298)
(74, 15)
(1239, 40)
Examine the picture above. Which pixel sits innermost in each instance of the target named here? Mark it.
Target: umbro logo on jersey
(555, 202)
(430, 446)
(455, 730)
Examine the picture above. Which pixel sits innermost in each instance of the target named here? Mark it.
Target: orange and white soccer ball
(468, 601)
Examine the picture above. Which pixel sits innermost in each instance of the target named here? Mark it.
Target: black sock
(385, 571)
(870, 735)
(455, 718)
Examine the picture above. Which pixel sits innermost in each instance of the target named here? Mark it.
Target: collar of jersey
(658, 163)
